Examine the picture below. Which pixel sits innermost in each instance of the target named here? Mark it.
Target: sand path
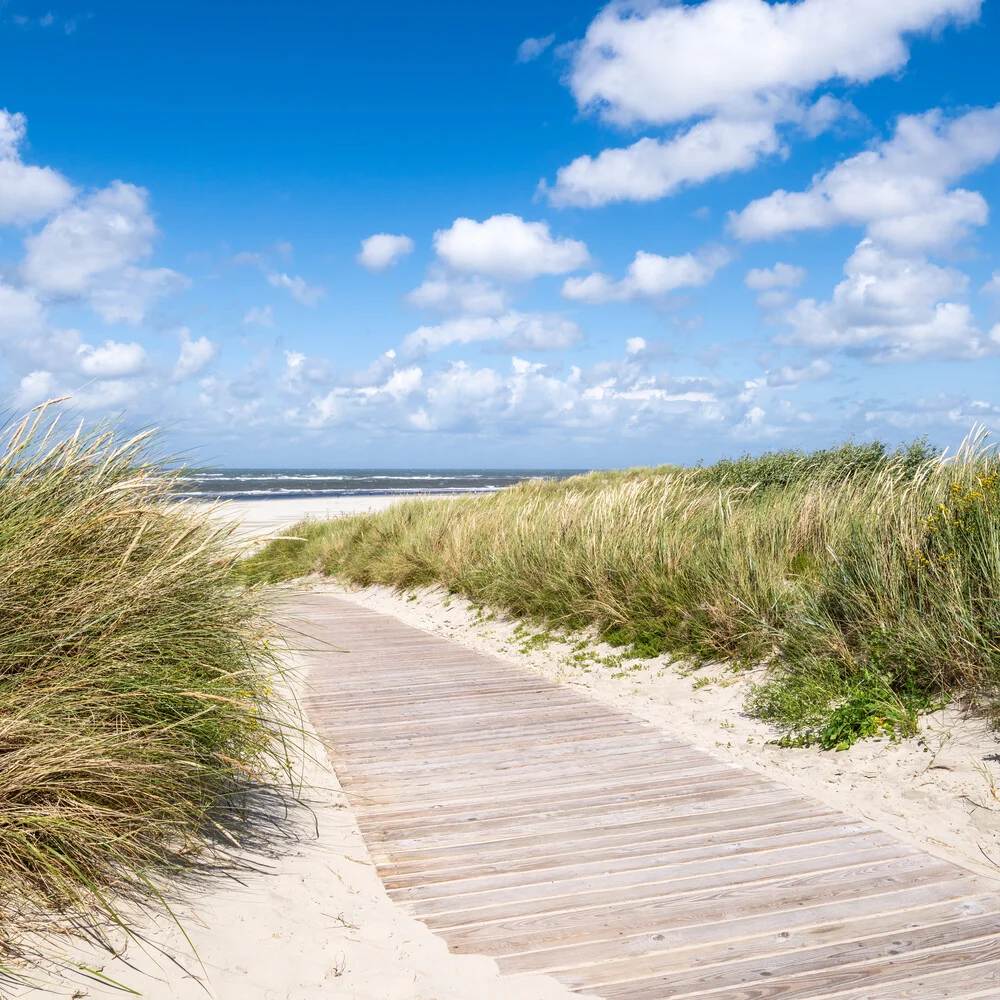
(519, 819)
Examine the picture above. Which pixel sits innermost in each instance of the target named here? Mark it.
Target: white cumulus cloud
(21, 314)
(653, 168)
(900, 190)
(109, 230)
(111, 359)
(194, 356)
(382, 250)
(737, 69)
(649, 276)
(666, 62)
(891, 308)
(36, 387)
(513, 331)
(27, 193)
(790, 377)
(449, 293)
(505, 246)
(780, 276)
(89, 251)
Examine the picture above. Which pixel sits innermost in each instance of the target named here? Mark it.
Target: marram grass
(868, 581)
(135, 678)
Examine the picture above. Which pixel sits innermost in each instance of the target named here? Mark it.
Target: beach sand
(264, 518)
(309, 920)
(316, 922)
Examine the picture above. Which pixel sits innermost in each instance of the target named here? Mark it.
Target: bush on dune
(867, 580)
(135, 679)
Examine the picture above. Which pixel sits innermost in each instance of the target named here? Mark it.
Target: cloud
(127, 296)
(736, 68)
(780, 276)
(111, 360)
(649, 276)
(659, 63)
(945, 411)
(303, 293)
(109, 230)
(27, 193)
(514, 331)
(891, 308)
(527, 398)
(531, 48)
(382, 250)
(653, 168)
(505, 246)
(88, 251)
(36, 387)
(790, 377)
(261, 316)
(247, 257)
(448, 293)
(194, 356)
(899, 190)
(21, 314)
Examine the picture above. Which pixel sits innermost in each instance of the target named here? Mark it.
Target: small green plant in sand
(136, 681)
(865, 580)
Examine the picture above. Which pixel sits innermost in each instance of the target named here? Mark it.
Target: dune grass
(136, 714)
(867, 580)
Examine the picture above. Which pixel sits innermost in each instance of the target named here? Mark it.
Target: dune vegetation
(866, 580)
(136, 715)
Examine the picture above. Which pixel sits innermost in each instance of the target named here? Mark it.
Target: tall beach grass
(867, 580)
(135, 678)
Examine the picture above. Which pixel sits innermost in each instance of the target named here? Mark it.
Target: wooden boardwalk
(522, 820)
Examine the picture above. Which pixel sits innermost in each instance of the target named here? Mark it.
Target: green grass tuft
(867, 579)
(136, 681)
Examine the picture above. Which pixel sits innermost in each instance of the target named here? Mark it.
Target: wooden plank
(642, 865)
(956, 960)
(704, 944)
(666, 888)
(613, 852)
(522, 820)
(805, 956)
(627, 918)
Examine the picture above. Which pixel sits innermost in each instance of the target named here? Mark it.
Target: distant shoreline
(248, 485)
(269, 495)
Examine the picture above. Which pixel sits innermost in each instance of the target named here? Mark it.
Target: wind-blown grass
(867, 580)
(135, 678)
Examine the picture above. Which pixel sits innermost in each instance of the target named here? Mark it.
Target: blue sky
(503, 235)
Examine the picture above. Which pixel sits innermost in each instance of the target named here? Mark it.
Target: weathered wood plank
(522, 820)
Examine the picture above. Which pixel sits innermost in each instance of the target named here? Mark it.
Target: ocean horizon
(262, 484)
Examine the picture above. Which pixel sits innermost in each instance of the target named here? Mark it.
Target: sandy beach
(307, 920)
(304, 919)
(314, 920)
(264, 518)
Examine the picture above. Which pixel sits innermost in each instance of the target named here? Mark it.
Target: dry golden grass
(868, 580)
(135, 678)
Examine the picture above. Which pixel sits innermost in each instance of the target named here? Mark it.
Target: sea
(258, 484)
